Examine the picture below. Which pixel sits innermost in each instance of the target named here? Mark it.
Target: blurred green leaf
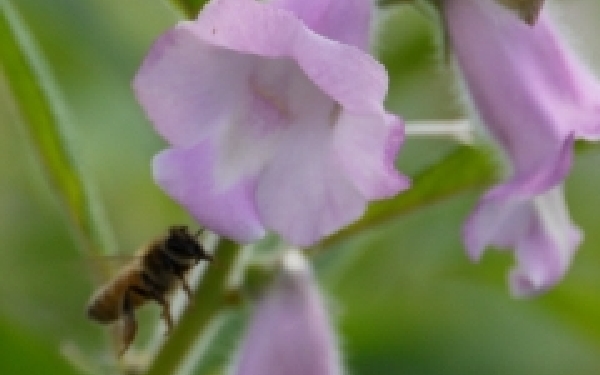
(43, 119)
(189, 8)
(463, 169)
(22, 353)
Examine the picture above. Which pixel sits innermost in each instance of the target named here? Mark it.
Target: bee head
(184, 244)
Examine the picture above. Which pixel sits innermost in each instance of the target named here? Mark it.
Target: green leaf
(23, 353)
(463, 169)
(189, 8)
(43, 119)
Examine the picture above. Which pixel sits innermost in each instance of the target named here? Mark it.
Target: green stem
(210, 299)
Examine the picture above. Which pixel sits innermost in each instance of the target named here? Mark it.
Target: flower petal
(497, 220)
(539, 229)
(303, 194)
(535, 98)
(188, 87)
(251, 27)
(186, 174)
(250, 97)
(345, 21)
(501, 211)
(290, 333)
(256, 124)
(527, 86)
(366, 148)
(545, 252)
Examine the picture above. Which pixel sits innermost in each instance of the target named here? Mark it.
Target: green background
(405, 297)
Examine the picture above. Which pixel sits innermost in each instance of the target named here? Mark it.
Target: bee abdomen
(102, 310)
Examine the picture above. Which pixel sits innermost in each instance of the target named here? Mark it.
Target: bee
(155, 272)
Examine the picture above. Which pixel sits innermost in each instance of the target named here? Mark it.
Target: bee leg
(154, 292)
(181, 276)
(173, 268)
(166, 313)
(186, 287)
(129, 328)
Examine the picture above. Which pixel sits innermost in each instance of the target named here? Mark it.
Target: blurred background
(405, 297)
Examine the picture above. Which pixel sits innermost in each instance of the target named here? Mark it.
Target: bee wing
(103, 268)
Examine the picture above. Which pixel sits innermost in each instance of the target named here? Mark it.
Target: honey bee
(153, 275)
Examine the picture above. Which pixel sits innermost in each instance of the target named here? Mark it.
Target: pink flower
(290, 333)
(535, 98)
(274, 114)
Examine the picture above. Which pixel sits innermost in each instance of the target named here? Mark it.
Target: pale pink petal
(188, 88)
(262, 108)
(500, 211)
(290, 333)
(329, 65)
(525, 84)
(545, 251)
(187, 175)
(366, 148)
(495, 222)
(304, 194)
(257, 122)
(539, 230)
(312, 186)
(344, 21)
(506, 215)
(535, 98)
(251, 27)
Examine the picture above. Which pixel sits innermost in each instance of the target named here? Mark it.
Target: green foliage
(23, 353)
(410, 300)
(44, 120)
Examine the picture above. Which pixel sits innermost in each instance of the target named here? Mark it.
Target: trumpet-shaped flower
(289, 333)
(535, 98)
(274, 114)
